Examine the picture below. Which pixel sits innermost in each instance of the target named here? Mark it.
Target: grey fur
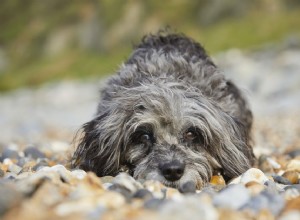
(168, 89)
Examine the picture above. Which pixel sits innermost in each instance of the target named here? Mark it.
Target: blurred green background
(48, 40)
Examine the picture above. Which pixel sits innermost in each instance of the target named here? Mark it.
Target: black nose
(173, 170)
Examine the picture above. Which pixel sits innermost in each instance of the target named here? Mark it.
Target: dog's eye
(145, 138)
(189, 136)
(194, 135)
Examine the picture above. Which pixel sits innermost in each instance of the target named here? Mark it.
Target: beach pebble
(233, 197)
(281, 180)
(291, 193)
(143, 194)
(292, 176)
(189, 187)
(9, 153)
(253, 174)
(14, 168)
(190, 208)
(33, 152)
(294, 153)
(128, 182)
(156, 188)
(265, 200)
(153, 203)
(9, 198)
(2, 173)
(217, 180)
(254, 187)
(293, 165)
(79, 174)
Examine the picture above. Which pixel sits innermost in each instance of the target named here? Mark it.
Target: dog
(169, 114)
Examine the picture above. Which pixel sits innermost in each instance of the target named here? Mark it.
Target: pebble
(266, 201)
(293, 165)
(233, 197)
(143, 194)
(190, 208)
(14, 168)
(254, 187)
(9, 198)
(128, 182)
(2, 173)
(294, 153)
(9, 153)
(295, 186)
(281, 180)
(291, 193)
(33, 152)
(253, 174)
(293, 204)
(292, 176)
(79, 174)
(186, 188)
(153, 203)
(217, 180)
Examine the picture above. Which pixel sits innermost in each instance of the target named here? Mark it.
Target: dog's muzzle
(173, 170)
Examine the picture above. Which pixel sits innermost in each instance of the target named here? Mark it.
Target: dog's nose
(173, 170)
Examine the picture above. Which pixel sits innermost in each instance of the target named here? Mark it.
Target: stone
(156, 188)
(273, 188)
(233, 197)
(154, 203)
(292, 176)
(294, 153)
(217, 180)
(293, 205)
(173, 194)
(254, 187)
(291, 193)
(254, 174)
(191, 208)
(2, 173)
(293, 165)
(265, 200)
(9, 153)
(295, 186)
(267, 164)
(290, 215)
(79, 174)
(188, 187)
(107, 179)
(33, 152)
(281, 180)
(65, 175)
(128, 182)
(14, 168)
(122, 190)
(143, 194)
(9, 198)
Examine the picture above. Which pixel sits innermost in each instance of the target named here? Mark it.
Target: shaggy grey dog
(168, 115)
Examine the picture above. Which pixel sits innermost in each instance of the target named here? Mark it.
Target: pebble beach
(37, 139)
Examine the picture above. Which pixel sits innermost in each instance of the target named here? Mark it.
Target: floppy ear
(100, 148)
(235, 153)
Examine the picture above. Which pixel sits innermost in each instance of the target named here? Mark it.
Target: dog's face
(166, 133)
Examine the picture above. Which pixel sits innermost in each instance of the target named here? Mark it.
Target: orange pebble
(217, 180)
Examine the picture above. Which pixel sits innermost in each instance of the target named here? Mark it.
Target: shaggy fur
(169, 115)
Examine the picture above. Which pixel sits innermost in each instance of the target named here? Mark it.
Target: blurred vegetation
(42, 41)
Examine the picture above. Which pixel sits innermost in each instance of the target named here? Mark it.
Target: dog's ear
(101, 145)
(234, 154)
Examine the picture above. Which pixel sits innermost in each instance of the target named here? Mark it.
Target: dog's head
(163, 131)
